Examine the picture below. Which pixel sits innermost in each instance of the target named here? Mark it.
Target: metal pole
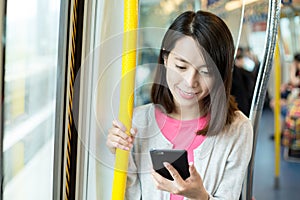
(277, 113)
(126, 93)
(261, 87)
(3, 10)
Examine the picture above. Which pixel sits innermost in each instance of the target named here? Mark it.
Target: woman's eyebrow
(182, 60)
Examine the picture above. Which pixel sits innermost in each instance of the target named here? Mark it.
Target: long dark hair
(216, 44)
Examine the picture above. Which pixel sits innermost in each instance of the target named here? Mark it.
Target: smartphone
(177, 158)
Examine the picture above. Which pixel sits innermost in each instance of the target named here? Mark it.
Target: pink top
(181, 133)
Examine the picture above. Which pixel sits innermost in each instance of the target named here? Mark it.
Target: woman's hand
(118, 138)
(191, 188)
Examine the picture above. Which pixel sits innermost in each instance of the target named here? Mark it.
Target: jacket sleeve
(133, 186)
(236, 165)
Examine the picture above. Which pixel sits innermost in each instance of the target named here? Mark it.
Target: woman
(191, 109)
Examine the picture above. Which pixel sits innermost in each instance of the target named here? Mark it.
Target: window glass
(29, 98)
(151, 30)
(297, 34)
(286, 36)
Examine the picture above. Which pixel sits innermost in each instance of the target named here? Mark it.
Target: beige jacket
(221, 160)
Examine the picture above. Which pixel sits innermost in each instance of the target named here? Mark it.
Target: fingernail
(132, 131)
(166, 164)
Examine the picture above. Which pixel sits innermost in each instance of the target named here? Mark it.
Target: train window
(290, 36)
(148, 47)
(29, 98)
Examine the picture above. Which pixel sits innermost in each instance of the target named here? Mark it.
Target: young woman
(191, 109)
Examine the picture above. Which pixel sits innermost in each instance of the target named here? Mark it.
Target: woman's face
(188, 77)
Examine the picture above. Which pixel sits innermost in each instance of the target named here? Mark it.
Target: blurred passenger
(289, 92)
(254, 59)
(295, 71)
(255, 69)
(243, 83)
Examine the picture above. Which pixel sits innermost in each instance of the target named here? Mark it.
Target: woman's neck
(186, 114)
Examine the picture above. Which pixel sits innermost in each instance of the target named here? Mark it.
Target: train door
(29, 51)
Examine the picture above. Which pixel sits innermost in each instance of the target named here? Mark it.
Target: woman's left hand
(191, 188)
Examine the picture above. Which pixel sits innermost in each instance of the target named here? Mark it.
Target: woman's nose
(192, 78)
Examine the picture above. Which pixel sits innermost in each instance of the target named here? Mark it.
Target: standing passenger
(191, 109)
(243, 82)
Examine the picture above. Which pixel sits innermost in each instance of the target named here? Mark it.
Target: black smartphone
(177, 158)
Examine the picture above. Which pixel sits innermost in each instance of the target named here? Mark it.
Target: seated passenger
(289, 91)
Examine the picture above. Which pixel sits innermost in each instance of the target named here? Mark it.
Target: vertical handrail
(126, 93)
(3, 11)
(261, 87)
(277, 128)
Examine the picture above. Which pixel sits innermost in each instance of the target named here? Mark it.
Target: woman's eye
(204, 72)
(180, 67)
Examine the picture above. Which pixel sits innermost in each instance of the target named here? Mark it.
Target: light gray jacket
(221, 160)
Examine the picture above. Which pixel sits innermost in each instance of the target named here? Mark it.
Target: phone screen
(177, 158)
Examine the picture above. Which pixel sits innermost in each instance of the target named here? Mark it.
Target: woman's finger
(114, 141)
(192, 169)
(120, 140)
(161, 183)
(118, 132)
(174, 173)
(193, 172)
(133, 132)
(118, 124)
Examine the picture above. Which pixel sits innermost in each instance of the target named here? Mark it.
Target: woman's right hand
(117, 138)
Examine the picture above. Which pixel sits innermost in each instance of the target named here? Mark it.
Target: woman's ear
(165, 57)
(165, 60)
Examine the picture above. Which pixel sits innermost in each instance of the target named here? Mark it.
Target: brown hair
(216, 44)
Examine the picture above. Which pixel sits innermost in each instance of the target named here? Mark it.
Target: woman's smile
(186, 94)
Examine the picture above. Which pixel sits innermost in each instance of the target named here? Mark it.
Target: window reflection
(290, 35)
(149, 46)
(29, 100)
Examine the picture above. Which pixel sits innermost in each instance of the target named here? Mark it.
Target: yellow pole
(126, 93)
(277, 129)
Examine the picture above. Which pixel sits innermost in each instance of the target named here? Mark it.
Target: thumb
(192, 169)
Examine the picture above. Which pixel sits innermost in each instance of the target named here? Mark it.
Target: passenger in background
(295, 71)
(289, 91)
(254, 59)
(243, 82)
(286, 89)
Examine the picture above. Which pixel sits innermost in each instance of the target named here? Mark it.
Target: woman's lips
(186, 95)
